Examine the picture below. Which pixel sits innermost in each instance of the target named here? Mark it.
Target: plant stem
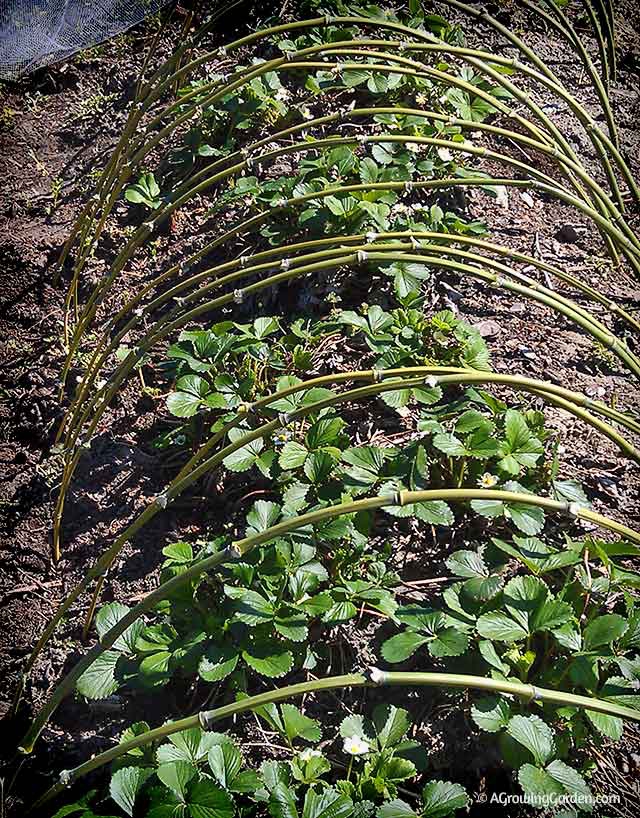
(373, 678)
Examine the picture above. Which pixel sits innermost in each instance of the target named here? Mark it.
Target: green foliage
(550, 627)
(204, 775)
(145, 192)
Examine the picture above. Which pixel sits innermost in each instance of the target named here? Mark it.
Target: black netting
(34, 33)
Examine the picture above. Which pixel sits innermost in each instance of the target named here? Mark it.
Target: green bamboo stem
(166, 211)
(630, 251)
(439, 46)
(424, 47)
(348, 47)
(97, 360)
(70, 421)
(374, 677)
(136, 112)
(200, 463)
(578, 110)
(363, 21)
(565, 27)
(241, 547)
(336, 257)
(600, 40)
(143, 233)
(573, 403)
(537, 293)
(406, 31)
(206, 178)
(603, 22)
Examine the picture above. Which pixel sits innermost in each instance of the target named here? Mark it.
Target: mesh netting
(34, 33)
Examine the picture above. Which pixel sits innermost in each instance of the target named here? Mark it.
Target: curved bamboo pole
(537, 293)
(563, 25)
(631, 252)
(333, 258)
(320, 21)
(202, 463)
(375, 677)
(241, 547)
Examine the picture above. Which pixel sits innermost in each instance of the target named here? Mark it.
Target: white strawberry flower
(487, 480)
(356, 746)
(445, 154)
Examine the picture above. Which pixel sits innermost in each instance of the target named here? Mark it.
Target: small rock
(568, 234)
(488, 328)
(527, 353)
(527, 198)
(517, 308)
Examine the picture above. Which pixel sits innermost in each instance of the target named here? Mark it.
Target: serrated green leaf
(441, 798)
(534, 734)
(108, 616)
(99, 680)
(603, 630)
(125, 785)
(498, 625)
(266, 662)
(218, 662)
(491, 713)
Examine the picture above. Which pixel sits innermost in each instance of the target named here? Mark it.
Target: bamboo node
(431, 380)
(574, 510)
(408, 187)
(395, 498)
(203, 720)
(536, 695)
(361, 256)
(371, 237)
(238, 296)
(66, 778)
(246, 408)
(162, 500)
(233, 552)
(243, 261)
(376, 676)
(222, 51)
(285, 263)
(376, 375)
(289, 55)
(329, 19)
(415, 243)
